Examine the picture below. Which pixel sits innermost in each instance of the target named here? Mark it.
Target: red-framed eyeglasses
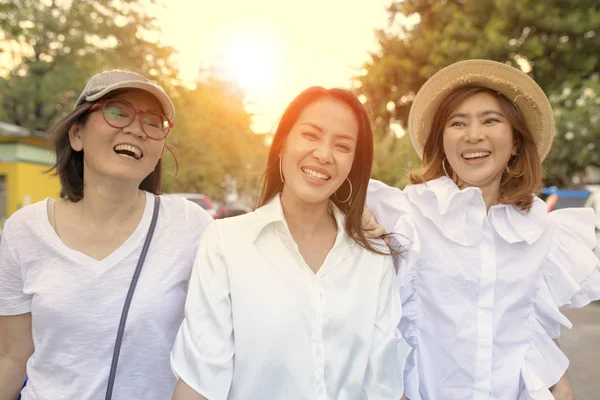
(121, 114)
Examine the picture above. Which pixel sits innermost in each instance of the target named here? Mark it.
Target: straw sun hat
(509, 81)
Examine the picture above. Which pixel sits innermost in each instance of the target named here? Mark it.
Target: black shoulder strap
(134, 280)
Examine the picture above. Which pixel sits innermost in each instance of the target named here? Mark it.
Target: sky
(273, 48)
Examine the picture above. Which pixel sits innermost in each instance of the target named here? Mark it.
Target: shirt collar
(459, 213)
(272, 213)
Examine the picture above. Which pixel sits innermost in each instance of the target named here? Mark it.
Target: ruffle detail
(544, 364)
(516, 225)
(409, 324)
(459, 214)
(570, 275)
(571, 269)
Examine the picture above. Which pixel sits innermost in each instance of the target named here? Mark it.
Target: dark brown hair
(361, 166)
(69, 163)
(525, 177)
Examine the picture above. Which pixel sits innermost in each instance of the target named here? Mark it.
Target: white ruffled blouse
(481, 290)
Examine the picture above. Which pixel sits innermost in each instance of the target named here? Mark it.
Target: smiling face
(123, 154)
(478, 141)
(319, 151)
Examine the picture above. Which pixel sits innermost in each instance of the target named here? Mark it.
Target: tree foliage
(214, 143)
(55, 46)
(557, 40)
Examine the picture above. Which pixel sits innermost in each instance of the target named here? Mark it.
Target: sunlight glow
(250, 58)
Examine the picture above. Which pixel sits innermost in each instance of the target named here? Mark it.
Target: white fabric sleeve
(202, 355)
(198, 220)
(12, 299)
(383, 378)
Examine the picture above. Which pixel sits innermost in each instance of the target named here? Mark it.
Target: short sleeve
(571, 269)
(570, 275)
(383, 378)
(13, 301)
(202, 355)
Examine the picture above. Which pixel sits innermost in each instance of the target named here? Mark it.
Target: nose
(135, 127)
(323, 152)
(474, 133)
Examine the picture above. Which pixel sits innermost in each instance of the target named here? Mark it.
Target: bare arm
(563, 389)
(184, 392)
(16, 346)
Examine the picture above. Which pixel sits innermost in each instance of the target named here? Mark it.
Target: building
(25, 157)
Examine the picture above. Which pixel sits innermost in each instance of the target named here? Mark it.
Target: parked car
(235, 210)
(585, 196)
(221, 209)
(564, 198)
(201, 200)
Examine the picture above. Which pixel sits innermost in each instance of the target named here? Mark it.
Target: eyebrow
(481, 114)
(318, 128)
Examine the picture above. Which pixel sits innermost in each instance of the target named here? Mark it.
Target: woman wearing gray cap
(95, 282)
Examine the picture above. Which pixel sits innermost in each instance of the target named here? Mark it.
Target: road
(582, 345)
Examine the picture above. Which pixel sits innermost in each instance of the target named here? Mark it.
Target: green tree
(214, 143)
(577, 142)
(555, 40)
(62, 43)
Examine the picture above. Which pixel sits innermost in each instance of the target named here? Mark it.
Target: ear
(515, 150)
(75, 133)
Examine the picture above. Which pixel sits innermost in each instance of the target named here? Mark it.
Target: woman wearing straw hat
(486, 268)
(69, 268)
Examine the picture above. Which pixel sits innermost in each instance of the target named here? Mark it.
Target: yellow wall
(27, 179)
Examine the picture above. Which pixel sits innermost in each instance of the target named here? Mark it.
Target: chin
(480, 180)
(312, 196)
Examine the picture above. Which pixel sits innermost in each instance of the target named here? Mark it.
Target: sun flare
(250, 58)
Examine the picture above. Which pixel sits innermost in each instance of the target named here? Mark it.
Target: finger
(375, 233)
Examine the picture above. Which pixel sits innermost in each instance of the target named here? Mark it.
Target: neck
(306, 219)
(490, 196)
(106, 202)
(489, 191)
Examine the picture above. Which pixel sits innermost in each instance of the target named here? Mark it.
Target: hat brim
(509, 81)
(149, 87)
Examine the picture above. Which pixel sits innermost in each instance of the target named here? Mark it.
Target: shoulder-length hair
(69, 163)
(520, 181)
(361, 165)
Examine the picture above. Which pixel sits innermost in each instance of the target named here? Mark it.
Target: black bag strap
(134, 280)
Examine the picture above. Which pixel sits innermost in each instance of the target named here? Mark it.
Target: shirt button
(321, 389)
(318, 351)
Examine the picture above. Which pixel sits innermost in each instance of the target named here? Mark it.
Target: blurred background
(232, 67)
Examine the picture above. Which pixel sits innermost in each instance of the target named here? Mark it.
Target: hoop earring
(281, 170)
(349, 195)
(444, 167)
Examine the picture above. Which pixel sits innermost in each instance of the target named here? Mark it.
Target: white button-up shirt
(260, 324)
(481, 290)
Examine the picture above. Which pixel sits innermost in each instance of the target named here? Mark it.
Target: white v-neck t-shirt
(76, 302)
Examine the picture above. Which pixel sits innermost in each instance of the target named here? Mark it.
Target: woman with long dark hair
(292, 301)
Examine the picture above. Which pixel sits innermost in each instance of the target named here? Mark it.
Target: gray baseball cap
(105, 82)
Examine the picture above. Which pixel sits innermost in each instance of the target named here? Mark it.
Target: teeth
(477, 155)
(315, 174)
(130, 148)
